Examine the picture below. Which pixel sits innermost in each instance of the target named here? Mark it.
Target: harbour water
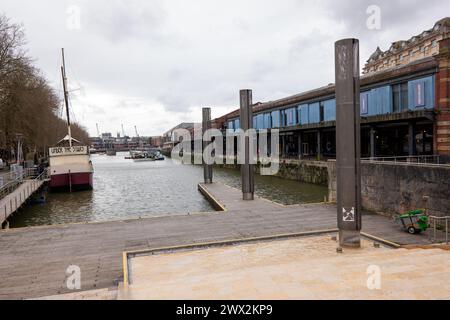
(124, 189)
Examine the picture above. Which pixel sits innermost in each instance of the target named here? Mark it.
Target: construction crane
(137, 134)
(98, 131)
(123, 131)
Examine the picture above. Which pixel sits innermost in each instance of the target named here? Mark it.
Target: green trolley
(415, 221)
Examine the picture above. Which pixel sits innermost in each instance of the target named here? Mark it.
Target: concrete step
(121, 291)
(100, 294)
(307, 268)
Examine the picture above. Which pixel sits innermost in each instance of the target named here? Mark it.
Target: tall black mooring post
(206, 125)
(348, 145)
(247, 174)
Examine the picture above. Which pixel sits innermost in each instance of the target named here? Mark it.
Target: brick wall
(442, 130)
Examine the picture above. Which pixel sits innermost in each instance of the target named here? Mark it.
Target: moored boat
(111, 152)
(142, 157)
(70, 165)
(159, 157)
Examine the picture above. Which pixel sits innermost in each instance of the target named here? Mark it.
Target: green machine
(415, 221)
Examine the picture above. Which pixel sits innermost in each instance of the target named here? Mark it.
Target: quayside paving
(33, 261)
(295, 268)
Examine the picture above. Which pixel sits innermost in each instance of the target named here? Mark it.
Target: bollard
(207, 168)
(247, 173)
(348, 150)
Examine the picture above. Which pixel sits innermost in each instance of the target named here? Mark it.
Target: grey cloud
(120, 20)
(132, 56)
(393, 13)
(95, 109)
(174, 102)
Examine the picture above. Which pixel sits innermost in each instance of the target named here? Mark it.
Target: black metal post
(372, 143)
(348, 158)
(206, 125)
(247, 173)
(319, 145)
(300, 155)
(411, 139)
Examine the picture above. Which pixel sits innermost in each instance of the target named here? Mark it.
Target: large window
(424, 139)
(267, 121)
(314, 112)
(237, 124)
(364, 103)
(421, 93)
(303, 114)
(322, 111)
(276, 121)
(400, 97)
(258, 121)
(329, 110)
(290, 117)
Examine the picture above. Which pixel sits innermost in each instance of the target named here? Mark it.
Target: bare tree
(28, 104)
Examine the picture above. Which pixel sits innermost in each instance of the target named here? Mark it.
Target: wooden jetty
(14, 200)
(34, 261)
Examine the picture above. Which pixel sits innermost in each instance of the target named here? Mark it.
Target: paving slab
(29, 252)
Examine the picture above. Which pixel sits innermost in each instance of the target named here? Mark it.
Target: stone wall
(394, 188)
(315, 172)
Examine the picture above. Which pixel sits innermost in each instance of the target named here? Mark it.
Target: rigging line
(61, 95)
(77, 82)
(72, 113)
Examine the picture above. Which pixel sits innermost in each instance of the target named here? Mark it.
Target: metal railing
(436, 223)
(12, 180)
(423, 159)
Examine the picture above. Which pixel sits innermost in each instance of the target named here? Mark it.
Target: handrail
(428, 159)
(435, 219)
(17, 179)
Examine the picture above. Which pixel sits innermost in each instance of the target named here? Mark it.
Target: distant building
(156, 141)
(96, 142)
(173, 135)
(107, 136)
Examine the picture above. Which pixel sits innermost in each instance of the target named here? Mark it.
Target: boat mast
(66, 96)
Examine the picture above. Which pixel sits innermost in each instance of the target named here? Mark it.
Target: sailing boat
(70, 164)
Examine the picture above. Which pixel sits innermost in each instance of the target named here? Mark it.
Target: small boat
(143, 156)
(111, 152)
(159, 157)
(144, 160)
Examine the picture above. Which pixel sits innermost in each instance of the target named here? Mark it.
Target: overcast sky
(155, 63)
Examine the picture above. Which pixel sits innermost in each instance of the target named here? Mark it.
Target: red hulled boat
(70, 165)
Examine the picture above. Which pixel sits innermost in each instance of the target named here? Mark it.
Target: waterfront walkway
(33, 261)
(14, 200)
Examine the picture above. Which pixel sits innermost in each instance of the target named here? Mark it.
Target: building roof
(440, 27)
(183, 125)
(418, 66)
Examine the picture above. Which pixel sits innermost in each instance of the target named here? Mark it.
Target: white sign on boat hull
(64, 151)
